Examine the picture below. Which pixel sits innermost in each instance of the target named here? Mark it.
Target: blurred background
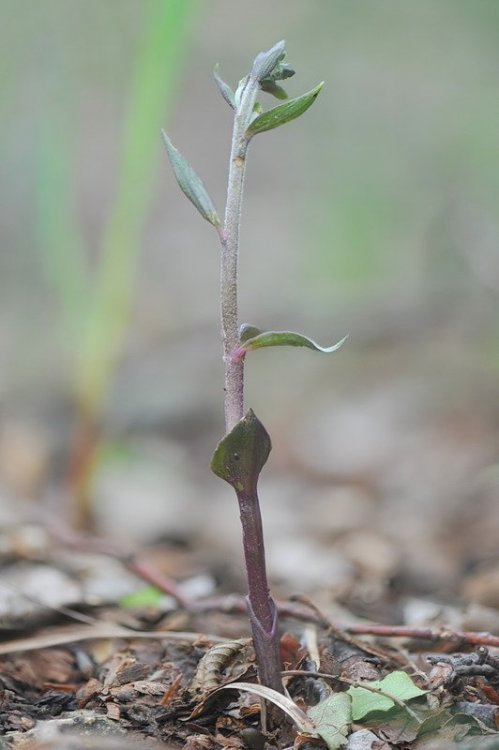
(376, 215)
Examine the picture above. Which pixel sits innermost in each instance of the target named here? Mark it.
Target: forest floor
(381, 516)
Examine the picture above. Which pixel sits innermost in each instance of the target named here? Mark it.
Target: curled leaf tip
(254, 338)
(224, 88)
(247, 331)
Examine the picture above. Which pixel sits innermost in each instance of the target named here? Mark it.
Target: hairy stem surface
(261, 608)
(234, 370)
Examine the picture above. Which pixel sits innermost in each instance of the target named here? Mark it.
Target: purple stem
(262, 611)
(261, 608)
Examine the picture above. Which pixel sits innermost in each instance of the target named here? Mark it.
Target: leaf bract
(271, 87)
(224, 88)
(190, 184)
(265, 62)
(242, 453)
(254, 338)
(283, 113)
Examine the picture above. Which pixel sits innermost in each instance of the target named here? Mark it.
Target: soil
(381, 522)
(150, 676)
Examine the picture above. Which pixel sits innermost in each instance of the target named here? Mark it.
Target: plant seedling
(242, 453)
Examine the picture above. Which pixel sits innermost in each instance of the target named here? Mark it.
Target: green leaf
(190, 184)
(149, 596)
(265, 62)
(281, 71)
(247, 331)
(242, 453)
(271, 87)
(397, 684)
(254, 338)
(224, 88)
(332, 718)
(283, 113)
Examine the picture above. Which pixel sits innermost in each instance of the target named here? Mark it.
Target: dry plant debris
(182, 689)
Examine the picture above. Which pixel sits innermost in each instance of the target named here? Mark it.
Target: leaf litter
(185, 687)
(128, 671)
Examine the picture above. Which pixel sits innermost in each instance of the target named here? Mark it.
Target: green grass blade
(154, 82)
(57, 230)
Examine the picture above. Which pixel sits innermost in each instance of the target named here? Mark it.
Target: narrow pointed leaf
(224, 89)
(265, 62)
(242, 453)
(241, 86)
(190, 184)
(254, 338)
(303, 723)
(281, 71)
(247, 331)
(332, 718)
(283, 113)
(271, 87)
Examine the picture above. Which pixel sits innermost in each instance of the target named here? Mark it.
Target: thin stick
(88, 543)
(460, 638)
(102, 630)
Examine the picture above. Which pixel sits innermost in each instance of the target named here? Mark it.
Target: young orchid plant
(242, 453)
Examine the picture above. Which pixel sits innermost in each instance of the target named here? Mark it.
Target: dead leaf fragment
(332, 718)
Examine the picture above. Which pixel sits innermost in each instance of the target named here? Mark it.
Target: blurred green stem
(153, 83)
(154, 80)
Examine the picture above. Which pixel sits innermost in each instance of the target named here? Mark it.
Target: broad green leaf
(300, 718)
(283, 113)
(190, 184)
(254, 338)
(265, 62)
(396, 724)
(397, 684)
(224, 88)
(444, 725)
(332, 718)
(242, 453)
(452, 726)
